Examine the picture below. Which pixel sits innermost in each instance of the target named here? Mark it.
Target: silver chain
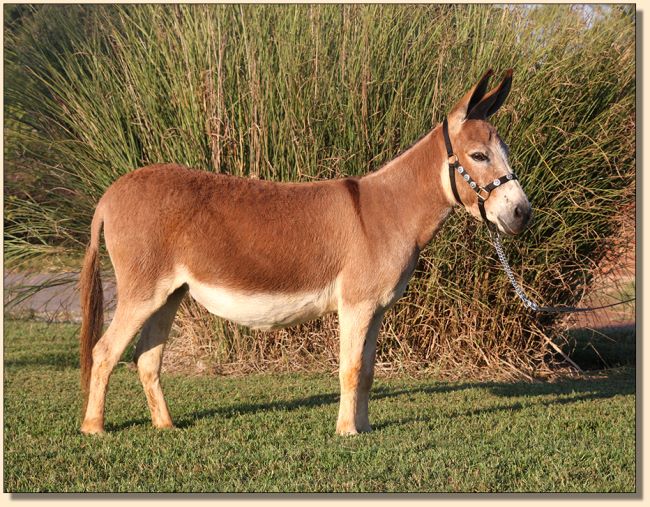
(506, 267)
(520, 292)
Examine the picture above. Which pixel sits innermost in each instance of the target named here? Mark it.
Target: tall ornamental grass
(308, 92)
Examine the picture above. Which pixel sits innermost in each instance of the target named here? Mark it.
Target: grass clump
(303, 92)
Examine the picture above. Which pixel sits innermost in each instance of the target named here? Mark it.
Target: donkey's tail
(92, 302)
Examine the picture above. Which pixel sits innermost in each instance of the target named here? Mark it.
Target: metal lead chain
(520, 292)
(504, 261)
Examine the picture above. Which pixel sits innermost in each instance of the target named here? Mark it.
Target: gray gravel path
(50, 296)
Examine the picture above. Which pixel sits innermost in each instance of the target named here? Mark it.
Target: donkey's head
(481, 171)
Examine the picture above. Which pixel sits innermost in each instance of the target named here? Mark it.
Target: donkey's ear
(470, 99)
(491, 102)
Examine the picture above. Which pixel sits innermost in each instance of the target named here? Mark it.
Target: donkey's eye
(479, 157)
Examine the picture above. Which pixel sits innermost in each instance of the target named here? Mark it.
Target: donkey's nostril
(522, 213)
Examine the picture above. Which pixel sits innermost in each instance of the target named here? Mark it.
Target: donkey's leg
(359, 326)
(129, 317)
(149, 354)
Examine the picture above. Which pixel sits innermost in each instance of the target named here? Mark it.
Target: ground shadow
(603, 347)
(614, 383)
(59, 360)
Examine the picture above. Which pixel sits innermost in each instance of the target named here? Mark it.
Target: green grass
(276, 432)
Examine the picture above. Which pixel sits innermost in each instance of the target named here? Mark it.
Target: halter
(482, 193)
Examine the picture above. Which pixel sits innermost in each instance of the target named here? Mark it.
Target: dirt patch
(614, 281)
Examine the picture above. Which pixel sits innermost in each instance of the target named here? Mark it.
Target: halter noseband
(482, 193)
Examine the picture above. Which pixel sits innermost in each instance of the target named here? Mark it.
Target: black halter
(481, 192)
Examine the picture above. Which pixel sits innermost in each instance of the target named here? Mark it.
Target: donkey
(267, 254)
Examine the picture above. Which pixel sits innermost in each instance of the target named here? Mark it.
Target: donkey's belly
(263, 310)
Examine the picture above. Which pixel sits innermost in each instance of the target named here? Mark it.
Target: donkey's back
(243, 233)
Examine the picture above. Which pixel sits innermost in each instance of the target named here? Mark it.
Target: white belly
(263, 310)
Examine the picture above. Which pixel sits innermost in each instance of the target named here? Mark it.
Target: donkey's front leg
(359, 326)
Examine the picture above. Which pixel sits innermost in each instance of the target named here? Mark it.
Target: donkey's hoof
(351, 429)
(168, 425)
(92, 427)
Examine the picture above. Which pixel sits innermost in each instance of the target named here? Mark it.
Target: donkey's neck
(409, 190)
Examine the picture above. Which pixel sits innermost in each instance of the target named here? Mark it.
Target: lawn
(265, 433)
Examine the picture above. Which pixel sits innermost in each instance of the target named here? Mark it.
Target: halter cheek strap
(482, 193)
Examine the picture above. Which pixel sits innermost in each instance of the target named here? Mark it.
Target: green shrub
(302, 92)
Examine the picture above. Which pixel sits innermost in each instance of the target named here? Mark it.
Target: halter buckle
(453, 160)
(480, 195)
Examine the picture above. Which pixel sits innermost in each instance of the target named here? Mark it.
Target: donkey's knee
(356, 377)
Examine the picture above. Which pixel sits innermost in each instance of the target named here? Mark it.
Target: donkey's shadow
(535, 393)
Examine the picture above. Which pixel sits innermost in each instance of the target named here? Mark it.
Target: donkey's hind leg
(149, 354)
(129, 316)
